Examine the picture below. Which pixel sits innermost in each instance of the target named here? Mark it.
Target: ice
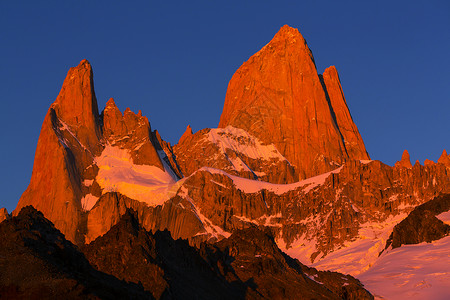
(365, 161)
(411, 272)
(118, 173)
(242, 142)
(359, 255)
(254, 186)
(302, 248)
(444, 217)
(88, 201)
(88, 182)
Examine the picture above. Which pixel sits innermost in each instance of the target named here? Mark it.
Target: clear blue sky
(173, 60)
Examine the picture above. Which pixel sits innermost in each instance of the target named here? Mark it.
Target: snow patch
(302, 248)
(359, 255)
(88, 201)
(411, 272)
(365, 161)
(444, 217)
(250, 186)
(118, 173)
(88, 182)
(240, 141)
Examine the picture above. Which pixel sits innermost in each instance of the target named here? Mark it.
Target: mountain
(3, 214)
(129, 262)
(422, 224)
(286, 158)
(76, 147)
(278, 96)
(418, 250)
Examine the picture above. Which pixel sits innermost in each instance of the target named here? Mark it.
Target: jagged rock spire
(278, 96)
(444, 159)
(187, 133)
(405, 161)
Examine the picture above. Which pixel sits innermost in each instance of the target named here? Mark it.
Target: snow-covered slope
(253, 186)
(235, 151)
(411, 272)
(118, 173)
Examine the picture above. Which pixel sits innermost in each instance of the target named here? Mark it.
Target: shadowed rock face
(37, 262)
(421, 225)
(175, 215)
(272, 274)
(166, 267)
(278, 97)
(248, 265)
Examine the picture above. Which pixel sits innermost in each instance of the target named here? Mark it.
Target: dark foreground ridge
(421, 225)
(37, 262)
(129, 262)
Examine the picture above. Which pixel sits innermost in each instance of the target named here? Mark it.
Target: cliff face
(278, 96)
(64, 184)
(286, 157)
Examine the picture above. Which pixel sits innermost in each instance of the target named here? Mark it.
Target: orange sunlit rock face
(72, 135)
(3, 214)
(278, 96)
(405, 161)
(130, 131)
(444, 159)
(187, 134)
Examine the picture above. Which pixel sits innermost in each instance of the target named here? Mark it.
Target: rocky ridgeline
(278, 97)
(328, 211)
(422, 225)
(282, 128)
(131, 263)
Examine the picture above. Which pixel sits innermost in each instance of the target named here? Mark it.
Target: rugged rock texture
(177, 215)
(278, 97)
(76, 105)
(327, 210)
(55, 186)
(333, 90)
(421, 225)
(37, 262)
(248, 265)
(405, 161)
(130, 131)
(166, 152)
(428, 162)
(73, 134)
(187, 134)
(444, 159)
(234, 151)
(4, 214)
(169, 269)
(258, 262)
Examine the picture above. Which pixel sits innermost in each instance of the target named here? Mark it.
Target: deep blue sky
(173, 60)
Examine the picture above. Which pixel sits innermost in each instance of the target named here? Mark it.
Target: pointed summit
(428, 162)
(113, 123)
(405, 162)
(278, 97)
(187, 133)
(3, 214)
(333, 89)
(287, 32)
(444, 159)
(76, 105)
